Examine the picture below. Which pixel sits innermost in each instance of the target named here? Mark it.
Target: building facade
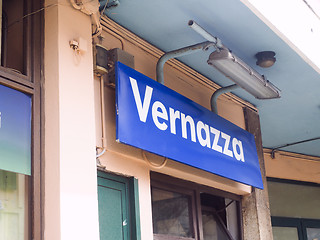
(77, 181)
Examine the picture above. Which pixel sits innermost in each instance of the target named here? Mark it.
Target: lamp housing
(243, 75)
(265, 59)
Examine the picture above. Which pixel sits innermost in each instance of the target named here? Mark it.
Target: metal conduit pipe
(178, 53)
(103, 120)
(274, 150)
(196, 27)
(217, 93)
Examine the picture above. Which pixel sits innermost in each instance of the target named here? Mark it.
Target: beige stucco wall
(71, 207)
(292, 166)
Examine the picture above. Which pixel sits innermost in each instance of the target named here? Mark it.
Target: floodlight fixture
(236, 69)
(243, 75)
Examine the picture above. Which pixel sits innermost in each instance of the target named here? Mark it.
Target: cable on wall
(151, 164)
(32, 13)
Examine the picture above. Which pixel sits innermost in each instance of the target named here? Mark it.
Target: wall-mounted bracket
(178, 53)
(217, 93)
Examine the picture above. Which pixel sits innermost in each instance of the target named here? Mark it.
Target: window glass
(13, 51)
(285, 233)
(13, 206)
(232, 218)
(313, 233)
(171, 213)
(211, 229)
(219, 216)
(15, 131)
(294, 200)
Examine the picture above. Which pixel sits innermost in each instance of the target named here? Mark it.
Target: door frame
(132, 195)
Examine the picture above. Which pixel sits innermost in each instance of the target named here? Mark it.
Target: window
(284, 228)
(20, 72)
(295, 209)
(15, 36)
(186, 210)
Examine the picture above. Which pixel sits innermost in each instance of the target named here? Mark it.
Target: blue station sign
(157, 119)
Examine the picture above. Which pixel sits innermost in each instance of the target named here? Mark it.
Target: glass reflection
(313, 233)
(13, 206)
(171, 213)
(285, 233)
(211, 229)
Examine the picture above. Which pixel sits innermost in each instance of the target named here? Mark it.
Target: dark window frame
(296, 182)
(170, 183)
(300, 223)
(30, 83)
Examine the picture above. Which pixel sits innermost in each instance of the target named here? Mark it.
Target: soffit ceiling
(292, 118)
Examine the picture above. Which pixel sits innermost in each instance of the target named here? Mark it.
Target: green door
(113, 207)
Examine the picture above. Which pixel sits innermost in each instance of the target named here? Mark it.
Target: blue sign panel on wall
(157, 119)
(15, 131)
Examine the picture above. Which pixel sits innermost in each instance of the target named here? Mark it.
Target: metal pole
(217, 93)
(178, 53)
